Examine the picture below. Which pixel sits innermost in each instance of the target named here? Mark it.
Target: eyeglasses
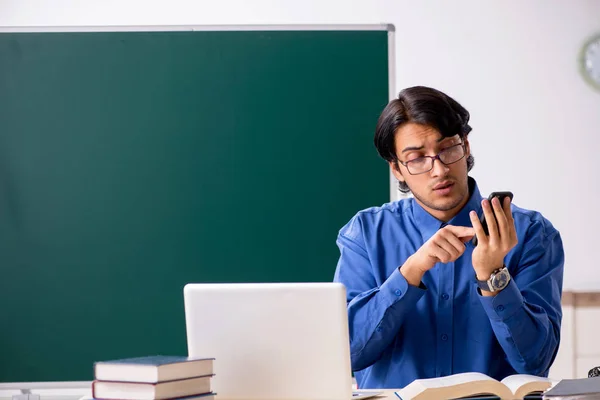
(424, 164)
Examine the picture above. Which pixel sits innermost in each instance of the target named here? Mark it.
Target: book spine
(156, 383)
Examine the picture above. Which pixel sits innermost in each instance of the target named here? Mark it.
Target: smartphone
(501, 196)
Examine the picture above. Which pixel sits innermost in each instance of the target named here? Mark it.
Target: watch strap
(484, 285)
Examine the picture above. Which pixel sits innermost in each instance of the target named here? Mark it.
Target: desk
(388, 395)
(76, 390)
(47, 390)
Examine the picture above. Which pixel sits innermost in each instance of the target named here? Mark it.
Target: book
(109, 390)
(205, 396)
(474, 384)
(152, 369)
(583, 388)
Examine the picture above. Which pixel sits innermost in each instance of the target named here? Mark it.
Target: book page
(526, 382)
(453, 387)
(453, 380)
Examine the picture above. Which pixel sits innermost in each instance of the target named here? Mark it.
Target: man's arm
(526, 315)
(377, 310)
(375, 313)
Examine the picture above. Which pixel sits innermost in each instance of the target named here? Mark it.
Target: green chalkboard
(132, 163)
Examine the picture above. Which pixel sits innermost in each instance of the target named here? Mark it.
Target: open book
(473, 384)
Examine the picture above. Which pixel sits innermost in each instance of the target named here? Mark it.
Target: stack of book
(153, 378)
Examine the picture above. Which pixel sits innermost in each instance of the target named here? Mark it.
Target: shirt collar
(428, 225)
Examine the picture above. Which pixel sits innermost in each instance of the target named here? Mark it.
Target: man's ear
(467, 148)
(394, 165)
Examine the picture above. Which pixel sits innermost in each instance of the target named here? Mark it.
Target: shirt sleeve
(526, 315)
(375, 313)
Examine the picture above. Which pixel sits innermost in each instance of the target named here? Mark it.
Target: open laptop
(273, 341)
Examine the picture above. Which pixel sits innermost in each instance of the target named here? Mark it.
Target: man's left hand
(490, 251)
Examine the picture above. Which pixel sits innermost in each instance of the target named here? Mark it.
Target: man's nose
(439, 168)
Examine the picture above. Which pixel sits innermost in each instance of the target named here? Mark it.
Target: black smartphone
(501, 196)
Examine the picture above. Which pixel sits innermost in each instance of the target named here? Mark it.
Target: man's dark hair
(425, 106)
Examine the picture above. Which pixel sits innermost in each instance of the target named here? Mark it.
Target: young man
(423, 301)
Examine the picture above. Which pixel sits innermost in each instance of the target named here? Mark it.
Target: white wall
(511, 63)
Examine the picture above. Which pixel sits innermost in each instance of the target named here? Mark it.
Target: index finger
(463, 232)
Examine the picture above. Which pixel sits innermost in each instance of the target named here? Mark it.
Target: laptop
(273, 341)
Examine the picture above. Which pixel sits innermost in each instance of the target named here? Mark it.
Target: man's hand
(490, 251)
(445, 246)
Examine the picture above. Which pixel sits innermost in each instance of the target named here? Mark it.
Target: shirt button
(445, 296)
(500, 308)
(444, 337)
(398, 292)
(379, 329)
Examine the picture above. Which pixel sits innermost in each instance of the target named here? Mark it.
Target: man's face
(443, 190)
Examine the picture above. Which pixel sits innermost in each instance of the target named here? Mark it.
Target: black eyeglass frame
(436, 157)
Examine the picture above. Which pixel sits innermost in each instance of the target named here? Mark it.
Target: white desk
(47, 390)
(76, 390)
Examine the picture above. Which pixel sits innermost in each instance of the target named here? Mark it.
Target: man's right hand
(445, 246)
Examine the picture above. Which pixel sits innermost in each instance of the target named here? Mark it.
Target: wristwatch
(498, 280)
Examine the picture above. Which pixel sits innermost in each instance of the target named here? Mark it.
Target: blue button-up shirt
(400, 332)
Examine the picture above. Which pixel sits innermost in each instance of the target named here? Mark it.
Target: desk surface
(6, 395)
(81, 389)
(387, 395)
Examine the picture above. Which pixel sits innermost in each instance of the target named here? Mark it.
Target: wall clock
(589, 61)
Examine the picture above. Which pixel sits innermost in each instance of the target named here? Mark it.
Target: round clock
(590, 61)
